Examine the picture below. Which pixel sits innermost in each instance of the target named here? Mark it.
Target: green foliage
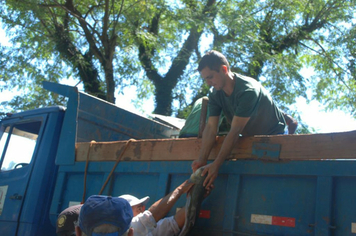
(274, 40)
(156, 45)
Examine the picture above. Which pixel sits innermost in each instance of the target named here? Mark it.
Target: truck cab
(28, 146)
(33, 144)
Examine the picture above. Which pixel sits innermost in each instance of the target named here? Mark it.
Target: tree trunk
(164, 85)
(163, 97)
(110, 83)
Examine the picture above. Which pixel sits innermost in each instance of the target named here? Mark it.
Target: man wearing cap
(138, 205)
(151, 222)
(65, 221)
(105, 216)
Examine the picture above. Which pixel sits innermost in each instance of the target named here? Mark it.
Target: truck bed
(270, 185)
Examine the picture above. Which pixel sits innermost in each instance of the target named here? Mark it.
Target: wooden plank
(315, 146)
(293, 147)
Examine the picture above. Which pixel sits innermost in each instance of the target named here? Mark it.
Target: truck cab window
(17, 144)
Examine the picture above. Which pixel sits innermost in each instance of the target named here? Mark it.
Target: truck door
(18, 138)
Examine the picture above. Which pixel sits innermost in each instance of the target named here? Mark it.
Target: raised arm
(160, 208)
(208, 140)
(231, 139)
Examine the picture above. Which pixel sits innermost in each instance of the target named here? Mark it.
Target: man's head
(215, 70)
(213, 60)
(138, 205)
(65, 221)
(114, 213)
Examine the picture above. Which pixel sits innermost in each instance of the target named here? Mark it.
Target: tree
(164, 85)
(106, 44)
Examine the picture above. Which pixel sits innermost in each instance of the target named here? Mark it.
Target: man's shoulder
(246, 79)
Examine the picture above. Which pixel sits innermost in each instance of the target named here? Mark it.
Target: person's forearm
(208, 141)
(230, 141)
(160, 208)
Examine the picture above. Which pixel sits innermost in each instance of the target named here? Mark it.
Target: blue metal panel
(56, 206)
(74, 186)
(66, 144)
(163, 182)
(33, 112)
(230, 216)
(302, 190)
(344, 205)
(89, 118)
(131, 183)
(8, 228)
(102, 121)
(279, 196)
(216, 203)
(323, 206)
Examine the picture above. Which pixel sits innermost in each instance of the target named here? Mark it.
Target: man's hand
(197, 164)
(208, 190)
(212, 169)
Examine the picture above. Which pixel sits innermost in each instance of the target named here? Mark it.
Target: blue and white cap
(98, 210)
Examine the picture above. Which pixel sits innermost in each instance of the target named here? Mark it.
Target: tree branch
(182, 59)
(146, 54)
(324, 54)
(69, 7)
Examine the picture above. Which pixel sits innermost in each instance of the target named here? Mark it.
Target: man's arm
(179, 217)
(208, 140)
(231, 139)
(160, 208)
(292, 123)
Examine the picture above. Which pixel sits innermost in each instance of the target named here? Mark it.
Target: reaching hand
(208, 190)
(197, 164)
(212, 169)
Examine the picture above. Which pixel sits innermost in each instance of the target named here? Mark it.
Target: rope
(117, 162)
(85, 173)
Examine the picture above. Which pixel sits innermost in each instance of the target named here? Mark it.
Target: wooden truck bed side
(286, 147)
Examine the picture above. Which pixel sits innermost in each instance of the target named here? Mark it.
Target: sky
(311, 113)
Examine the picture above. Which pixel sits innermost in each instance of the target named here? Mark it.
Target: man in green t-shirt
(245, 103)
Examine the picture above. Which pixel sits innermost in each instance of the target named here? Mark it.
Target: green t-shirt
(248, 99)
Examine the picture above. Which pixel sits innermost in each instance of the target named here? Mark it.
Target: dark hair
(213, 60)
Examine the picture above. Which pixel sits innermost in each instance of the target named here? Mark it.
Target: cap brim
(144, 200)
(134, 200)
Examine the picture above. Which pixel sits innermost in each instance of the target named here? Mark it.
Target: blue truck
(55, 157)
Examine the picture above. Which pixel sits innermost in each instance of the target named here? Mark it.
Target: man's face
(138, 209)
(213, 78)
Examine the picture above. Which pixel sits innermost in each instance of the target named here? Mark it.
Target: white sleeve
(143, 223)
(166, 227)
